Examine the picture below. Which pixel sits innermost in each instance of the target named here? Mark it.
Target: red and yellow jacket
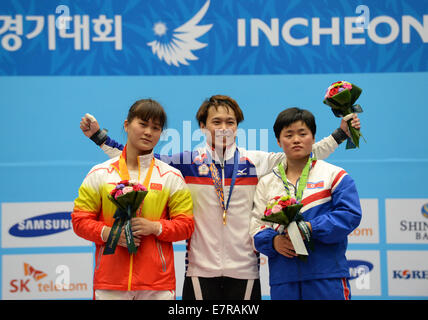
(168, 201)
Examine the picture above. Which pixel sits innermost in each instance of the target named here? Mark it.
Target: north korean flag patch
(315, 185)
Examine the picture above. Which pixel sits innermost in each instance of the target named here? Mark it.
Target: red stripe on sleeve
(317, 196)
(199, 180)
(339, 175)
(244, 181)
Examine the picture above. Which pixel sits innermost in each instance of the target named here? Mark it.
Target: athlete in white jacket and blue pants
(331, 210)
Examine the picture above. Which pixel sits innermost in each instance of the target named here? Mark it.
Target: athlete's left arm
(180, 224)
(344, 216)
(322, 149)
(325, 147)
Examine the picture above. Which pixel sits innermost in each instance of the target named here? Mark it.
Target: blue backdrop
(268, 55)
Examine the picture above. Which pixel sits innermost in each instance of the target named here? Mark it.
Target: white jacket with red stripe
(216, 249)
(332, 206)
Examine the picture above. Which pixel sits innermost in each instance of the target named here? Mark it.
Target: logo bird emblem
(178, 49)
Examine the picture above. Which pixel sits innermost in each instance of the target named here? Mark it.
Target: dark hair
(146, 109)
(217, 101)
(289, 116)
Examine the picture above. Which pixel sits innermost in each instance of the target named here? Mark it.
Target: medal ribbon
(302, 180)
(303, 227)
(215, 176)
(124, 174)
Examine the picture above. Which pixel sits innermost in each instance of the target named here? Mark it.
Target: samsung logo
(42, 225)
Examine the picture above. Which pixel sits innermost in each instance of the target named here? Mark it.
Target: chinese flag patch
(156, 186)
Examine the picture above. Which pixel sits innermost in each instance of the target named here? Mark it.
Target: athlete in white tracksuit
(332, 206)
(331, 210)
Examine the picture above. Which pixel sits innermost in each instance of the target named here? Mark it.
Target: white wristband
(160, 230)
(102, 231)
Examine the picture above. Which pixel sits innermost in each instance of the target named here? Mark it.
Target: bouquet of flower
(127, 197)
(341, 96)
(285, 211)
(281, 210)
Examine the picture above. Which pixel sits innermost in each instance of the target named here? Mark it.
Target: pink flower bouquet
(281, 210)
(340, 97)
(284, 211)
(127, 197)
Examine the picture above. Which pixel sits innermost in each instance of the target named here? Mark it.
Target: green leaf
(132, 199)
(303, 258)
(140, 196)
(293, 210)
(342, 98)
(278, 217)
(284, 218)
(355, 93)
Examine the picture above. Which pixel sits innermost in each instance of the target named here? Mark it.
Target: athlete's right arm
(90, 128)
(87, 218)
(260, 231)
(86, 212)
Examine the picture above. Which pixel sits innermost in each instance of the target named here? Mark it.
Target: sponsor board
(364, 270)
(210, 37)
(38, 224)
(408, 273)
(180, 270)
(264, 275)
(47, 276)
(368, 230)
(406, 221)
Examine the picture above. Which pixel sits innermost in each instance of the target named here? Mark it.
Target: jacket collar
(284, 161)
(144, 160)
(230, 152)
(122, 169)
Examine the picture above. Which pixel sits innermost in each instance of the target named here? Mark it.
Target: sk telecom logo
(61, 283)
(21, 285)
(177, 48)
(36, 274)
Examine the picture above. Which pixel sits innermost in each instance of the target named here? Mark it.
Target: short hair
(146, 109)
(288, 116)
(217, 101)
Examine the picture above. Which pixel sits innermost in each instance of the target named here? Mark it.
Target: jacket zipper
(131, 265)
(224, 195)
(222, 182)
(98, 261)
(161, 256)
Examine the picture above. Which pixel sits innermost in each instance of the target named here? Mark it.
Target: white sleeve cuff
(160, 230)
(102, 231)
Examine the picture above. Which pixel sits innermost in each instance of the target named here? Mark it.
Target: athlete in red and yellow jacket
(164, 217)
